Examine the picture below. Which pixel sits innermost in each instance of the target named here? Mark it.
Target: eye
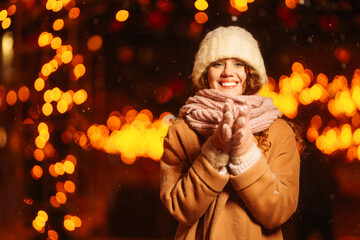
(239, 64)
(216, 64)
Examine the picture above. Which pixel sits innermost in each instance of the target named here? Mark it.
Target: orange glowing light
(56, 93)
(312, 134)
(201, 17)
(42, 126)
(69, 186)
(290, 4)
(6, 23)
(40, 221)
(48, 96)
(306, 79)
(39, 84)
(113, 123)
(58, 24)
(74, 13)
(240, 5)
(356, 136)
(11, 10)
(61, 197)
(128, 159)
(52, 235)
(79, 70)
(93, 133)
(11, 97)
(345, 136)
(52, 170)
(28, 121)
(67, 98)
(148, 113)
(60, 51)
(69, 225)
(40, 142)
(297, 67)
(67, 57)
(201, 5)
(45, 134)
(23, 93)
(54, 202)
(94, 43)
(3, 15)
(45, 39)
(130, 115)
(72, 159)
(46, 69)
(77, 221)
(316, 122)
(49, 150)
(39, 154)
(59, 168)
(355, 120)
(316, 91)
(56, 43)
(322, 79)
(83, 140)
(80, 97)
(50, 4)
(36, 172)
(62, 106)
(351, 154)
(296, 82)
(54, 65)
(69, 167)
(43, 214)
(122, 15)
(36, 226)
(57, 6)
(66, 2)
(47, 109)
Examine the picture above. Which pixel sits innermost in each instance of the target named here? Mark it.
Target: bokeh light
(122, 15)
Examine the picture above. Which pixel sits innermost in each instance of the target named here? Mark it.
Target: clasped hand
(233, 134)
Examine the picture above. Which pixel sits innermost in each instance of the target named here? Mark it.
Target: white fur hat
(229, 42)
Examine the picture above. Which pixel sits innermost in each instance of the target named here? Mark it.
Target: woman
(230, 168)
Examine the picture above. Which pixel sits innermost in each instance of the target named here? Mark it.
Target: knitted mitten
(244, 152)
(216, 149)
(242, 138)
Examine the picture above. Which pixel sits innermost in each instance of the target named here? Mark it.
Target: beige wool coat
(209, 205)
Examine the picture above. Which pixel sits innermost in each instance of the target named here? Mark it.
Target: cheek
(212, 78)
(242, 76)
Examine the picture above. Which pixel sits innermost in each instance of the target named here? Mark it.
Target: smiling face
(227, 75)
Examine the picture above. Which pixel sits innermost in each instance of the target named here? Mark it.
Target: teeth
(228, 84)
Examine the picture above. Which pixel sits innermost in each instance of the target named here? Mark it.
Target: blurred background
(88, 90)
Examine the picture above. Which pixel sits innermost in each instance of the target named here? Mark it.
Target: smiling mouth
(227, 84)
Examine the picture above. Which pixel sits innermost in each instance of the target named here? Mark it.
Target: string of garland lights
(132, 134)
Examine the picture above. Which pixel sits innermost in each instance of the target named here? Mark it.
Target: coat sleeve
(270, 188)
(187, 189)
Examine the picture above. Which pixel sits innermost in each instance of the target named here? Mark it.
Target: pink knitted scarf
(204, 111)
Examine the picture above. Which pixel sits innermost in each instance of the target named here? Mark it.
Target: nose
(228, 70)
